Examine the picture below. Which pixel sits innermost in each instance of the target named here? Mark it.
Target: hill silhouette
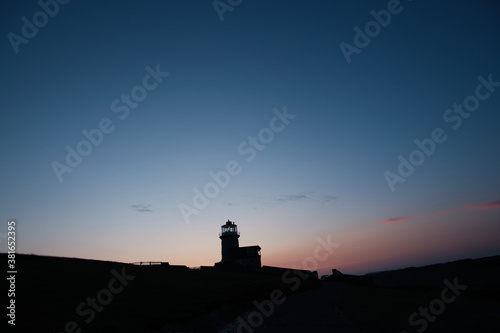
(49, 291)
(54, 294)
(394, 301)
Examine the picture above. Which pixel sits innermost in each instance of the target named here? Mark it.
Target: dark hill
(56, 294)
(419, 299)
(50, 290)
(478, 274)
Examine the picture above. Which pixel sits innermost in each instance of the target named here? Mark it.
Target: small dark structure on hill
(284, 272)
(348, 278)
(232, 254)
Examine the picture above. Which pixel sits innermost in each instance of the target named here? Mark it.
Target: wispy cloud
(142, 208)
(483, 206)
(309, 197)
(488, 205)
(293, 197)
(446, 211)
(328, 200)
(325, 200)
(398, 219)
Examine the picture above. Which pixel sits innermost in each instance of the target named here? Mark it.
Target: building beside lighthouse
(233, 255)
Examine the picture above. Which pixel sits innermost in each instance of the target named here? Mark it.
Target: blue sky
(322, 174)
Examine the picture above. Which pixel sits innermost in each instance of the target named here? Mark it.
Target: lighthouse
(246, 257)
(229, 236)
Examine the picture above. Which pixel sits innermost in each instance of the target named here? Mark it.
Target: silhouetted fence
(150, 263)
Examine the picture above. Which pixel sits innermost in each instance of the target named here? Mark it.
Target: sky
(132, 130)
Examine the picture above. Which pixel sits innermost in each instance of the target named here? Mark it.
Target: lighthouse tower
(229, 236)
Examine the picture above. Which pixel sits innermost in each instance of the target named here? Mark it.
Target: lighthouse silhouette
(232, 254)
(229, 237)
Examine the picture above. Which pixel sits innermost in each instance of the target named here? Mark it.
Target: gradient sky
(321, 175)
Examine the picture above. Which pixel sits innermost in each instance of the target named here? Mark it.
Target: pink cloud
(488, 205)
(397, 220)
(484, 206)
(447, 211)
